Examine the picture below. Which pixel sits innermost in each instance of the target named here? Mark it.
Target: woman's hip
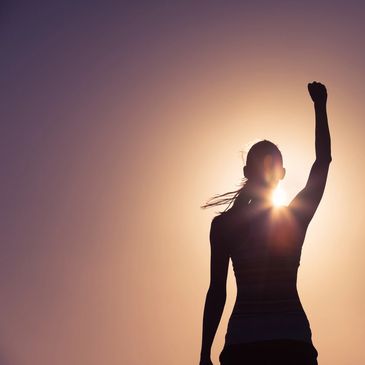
(273, 352)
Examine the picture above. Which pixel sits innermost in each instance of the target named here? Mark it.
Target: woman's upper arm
(219, 258)
(307, 200)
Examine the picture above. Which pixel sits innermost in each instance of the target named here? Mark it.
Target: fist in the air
(318, 92)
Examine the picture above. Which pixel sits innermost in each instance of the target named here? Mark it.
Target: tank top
(265, 248)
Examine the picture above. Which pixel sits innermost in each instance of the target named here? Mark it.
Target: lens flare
(279, 196)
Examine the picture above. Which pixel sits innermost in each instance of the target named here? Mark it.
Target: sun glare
(279, 196)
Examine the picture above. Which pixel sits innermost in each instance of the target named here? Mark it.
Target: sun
(279, 196)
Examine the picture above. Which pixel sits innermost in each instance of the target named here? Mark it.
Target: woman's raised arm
(306, 202)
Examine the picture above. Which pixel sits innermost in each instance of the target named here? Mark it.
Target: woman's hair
(242, 195)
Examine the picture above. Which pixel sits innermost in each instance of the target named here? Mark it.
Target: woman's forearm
(213, 309)
(318, 93)
(322, 134)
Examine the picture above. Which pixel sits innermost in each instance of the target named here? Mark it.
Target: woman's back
(264, 244)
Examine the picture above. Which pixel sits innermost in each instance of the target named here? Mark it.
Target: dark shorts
(275, 352)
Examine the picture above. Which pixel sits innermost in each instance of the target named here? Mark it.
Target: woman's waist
(245, 305)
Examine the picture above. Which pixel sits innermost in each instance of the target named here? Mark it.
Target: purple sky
(118, 120)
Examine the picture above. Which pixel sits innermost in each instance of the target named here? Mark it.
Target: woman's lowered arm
(216, 295)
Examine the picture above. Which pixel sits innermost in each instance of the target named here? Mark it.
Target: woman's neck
(261, 195)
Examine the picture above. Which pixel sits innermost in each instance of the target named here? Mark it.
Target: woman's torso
(265, 248)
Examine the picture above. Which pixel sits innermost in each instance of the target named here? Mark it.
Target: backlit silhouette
(268, 324)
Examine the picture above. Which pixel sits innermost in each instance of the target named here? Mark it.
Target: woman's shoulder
(220, 222)
(295, 214)
(229, 220)
(217, 222)
(223, 218)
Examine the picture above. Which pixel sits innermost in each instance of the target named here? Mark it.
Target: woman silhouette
(268, 324)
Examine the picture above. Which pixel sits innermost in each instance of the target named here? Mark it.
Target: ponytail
(239, 197)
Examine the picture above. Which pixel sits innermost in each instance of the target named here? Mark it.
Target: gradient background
(118, 120)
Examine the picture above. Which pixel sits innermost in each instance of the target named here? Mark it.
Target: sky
(118, 121)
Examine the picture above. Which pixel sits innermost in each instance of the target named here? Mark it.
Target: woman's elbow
(217, 290)
(324, 160)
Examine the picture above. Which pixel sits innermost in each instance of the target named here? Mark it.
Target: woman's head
(263, 171)
(264, 165)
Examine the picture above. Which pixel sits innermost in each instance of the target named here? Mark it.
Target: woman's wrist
(320, 104)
